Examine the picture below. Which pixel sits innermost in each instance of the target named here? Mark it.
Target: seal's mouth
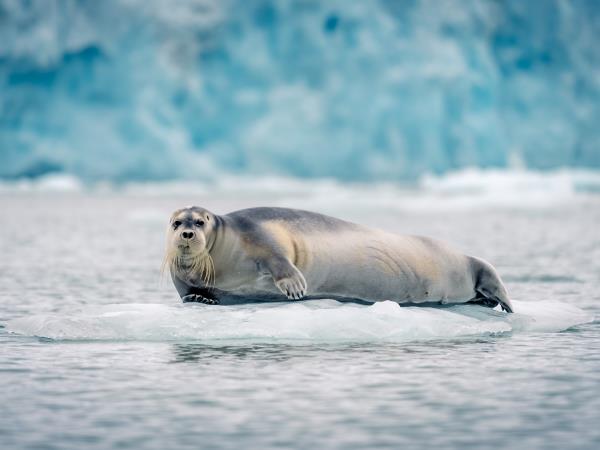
(188, 248)
(185, 249)
(180, 241)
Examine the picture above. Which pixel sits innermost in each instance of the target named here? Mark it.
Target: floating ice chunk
(318, 321)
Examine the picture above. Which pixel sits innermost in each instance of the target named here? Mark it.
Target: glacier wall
(149, 90)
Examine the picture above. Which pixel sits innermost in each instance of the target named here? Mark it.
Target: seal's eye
(176, 224)
(199, 223)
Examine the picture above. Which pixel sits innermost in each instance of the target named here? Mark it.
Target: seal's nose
(187, 234)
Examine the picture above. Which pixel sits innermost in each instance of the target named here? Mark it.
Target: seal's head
(189, 239)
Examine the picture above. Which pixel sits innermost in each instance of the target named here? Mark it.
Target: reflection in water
(200, 352)
(196, 352)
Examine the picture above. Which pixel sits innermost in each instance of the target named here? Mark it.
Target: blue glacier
(150, 90)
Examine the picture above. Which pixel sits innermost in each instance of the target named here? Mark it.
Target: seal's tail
(489, 285)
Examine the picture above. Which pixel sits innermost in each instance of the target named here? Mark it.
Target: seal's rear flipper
(483, 301)
(506, 305)
(490, 300)
(488, 284)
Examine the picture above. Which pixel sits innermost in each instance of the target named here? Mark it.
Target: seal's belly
(244, 279)
(388, 267)
(243, 276)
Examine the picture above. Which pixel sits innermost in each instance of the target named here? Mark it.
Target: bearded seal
(279, 254)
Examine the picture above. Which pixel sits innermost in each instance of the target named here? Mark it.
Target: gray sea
(97, 352)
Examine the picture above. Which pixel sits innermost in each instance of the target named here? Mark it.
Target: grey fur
(279, 254)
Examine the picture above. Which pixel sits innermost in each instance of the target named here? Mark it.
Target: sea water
(97, 351)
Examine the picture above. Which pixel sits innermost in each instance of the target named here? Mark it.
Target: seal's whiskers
(201, 265)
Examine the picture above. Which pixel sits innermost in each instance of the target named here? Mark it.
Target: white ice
(317, 321)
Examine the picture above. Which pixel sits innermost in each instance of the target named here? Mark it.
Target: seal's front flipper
(286, 276)
(293, 287)
(197, 298)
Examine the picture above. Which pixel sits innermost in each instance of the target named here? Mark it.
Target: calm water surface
(142, 375)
